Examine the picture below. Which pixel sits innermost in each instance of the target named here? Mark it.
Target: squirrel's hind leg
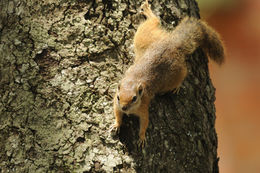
(146, 10)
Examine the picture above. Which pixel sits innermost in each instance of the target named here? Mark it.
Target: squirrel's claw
(145, 7)
(141, 143)
(114, 130)
(176, 90)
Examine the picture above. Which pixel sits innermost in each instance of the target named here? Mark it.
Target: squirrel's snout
(124, 108)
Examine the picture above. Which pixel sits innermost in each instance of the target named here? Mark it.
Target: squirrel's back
(161, 67)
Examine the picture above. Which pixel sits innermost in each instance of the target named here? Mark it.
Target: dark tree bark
(59, 65)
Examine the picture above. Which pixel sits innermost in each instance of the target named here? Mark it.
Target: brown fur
(159, 65)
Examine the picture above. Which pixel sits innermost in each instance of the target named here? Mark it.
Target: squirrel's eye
(118, 98)
(134, 99)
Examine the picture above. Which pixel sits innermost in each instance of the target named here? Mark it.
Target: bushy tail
(192, 33)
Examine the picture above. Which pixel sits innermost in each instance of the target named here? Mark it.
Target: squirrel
(159, 64)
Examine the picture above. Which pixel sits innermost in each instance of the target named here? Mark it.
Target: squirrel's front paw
(176, 90)
(141, 143)
(114, 130)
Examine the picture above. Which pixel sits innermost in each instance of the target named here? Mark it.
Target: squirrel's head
(129, 95)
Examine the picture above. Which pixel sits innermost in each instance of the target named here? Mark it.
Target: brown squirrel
(159, 65)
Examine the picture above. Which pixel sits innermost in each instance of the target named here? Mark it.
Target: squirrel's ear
(118, 86)
(140, 89)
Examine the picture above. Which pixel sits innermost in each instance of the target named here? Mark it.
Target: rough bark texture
(59, 65)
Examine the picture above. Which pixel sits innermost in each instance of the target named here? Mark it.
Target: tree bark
(59, 65)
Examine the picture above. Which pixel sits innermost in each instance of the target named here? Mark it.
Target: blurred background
(237, 83)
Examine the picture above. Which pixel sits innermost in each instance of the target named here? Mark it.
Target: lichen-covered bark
(59, 65)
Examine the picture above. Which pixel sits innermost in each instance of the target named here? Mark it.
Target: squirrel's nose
(124, 108)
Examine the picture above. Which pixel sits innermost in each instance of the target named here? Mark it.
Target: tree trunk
(60, 62)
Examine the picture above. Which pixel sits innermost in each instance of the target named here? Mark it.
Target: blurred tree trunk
(59, 65)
